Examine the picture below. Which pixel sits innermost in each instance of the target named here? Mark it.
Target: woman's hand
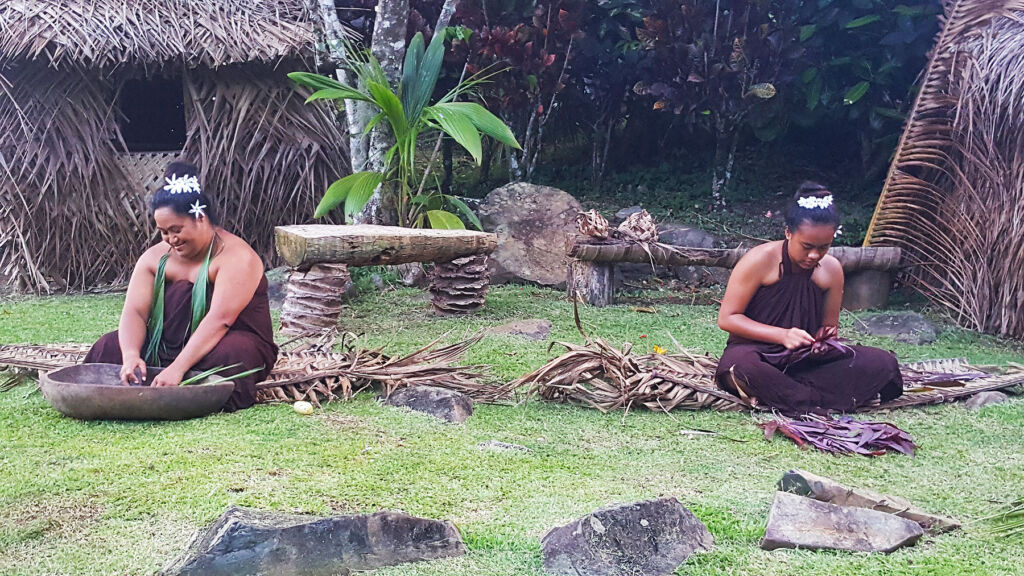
(796, 338)
(170, 376)
(133, 371)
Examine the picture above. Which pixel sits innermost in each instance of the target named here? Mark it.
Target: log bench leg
(867, 289)
(459, 286)
(313, 299)
(591, 282)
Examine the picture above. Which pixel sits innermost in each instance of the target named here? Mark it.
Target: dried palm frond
(639, 227)
(953, 196)
(601, 376)
(13, 378)
(107, 33)
(591, 223)
(842, 435)
(318, 377)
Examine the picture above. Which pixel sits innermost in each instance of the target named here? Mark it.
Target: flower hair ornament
(197, 210)
(182, 185)
(813, 202)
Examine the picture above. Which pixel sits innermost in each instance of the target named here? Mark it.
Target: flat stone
(532, 224)
(906, 327)
(499, 445)
(799, 522)
(982, 399)
(438, 402)
(535, 329)
(651, 538)
(247, 541)
(824, 489)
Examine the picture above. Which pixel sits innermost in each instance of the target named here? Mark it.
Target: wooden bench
(592, 267)
(459, 278)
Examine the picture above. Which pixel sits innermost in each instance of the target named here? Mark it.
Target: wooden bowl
(95, 392)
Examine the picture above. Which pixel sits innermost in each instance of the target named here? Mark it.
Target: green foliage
(407, 112)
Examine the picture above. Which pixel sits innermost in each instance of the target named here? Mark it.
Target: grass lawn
(124, 498)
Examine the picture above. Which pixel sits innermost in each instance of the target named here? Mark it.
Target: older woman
(196, 261)
(785, 295)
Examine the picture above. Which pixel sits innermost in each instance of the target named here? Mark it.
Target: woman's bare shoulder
(238, 252)
(763, 255)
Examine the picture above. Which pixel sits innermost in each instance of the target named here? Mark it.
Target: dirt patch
(53, 520)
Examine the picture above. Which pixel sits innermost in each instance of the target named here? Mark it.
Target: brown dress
(833, 381)
(249, 341)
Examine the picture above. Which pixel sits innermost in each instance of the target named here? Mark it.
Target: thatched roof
(100, 33)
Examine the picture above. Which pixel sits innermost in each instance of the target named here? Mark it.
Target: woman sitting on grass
(782, 298)
(197, 259)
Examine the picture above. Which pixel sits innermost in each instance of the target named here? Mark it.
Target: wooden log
(591, 282)
(886, 258)
(301, 246)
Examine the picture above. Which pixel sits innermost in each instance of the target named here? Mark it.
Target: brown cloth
(833, 381)
(249, 341)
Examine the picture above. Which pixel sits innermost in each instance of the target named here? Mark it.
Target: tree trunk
(357, 114)
(388, 47)
(446, 161)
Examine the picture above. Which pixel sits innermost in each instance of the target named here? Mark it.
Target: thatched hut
(96, 96)
(954, 197)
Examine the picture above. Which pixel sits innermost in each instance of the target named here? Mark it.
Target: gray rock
(276, 280)
(377, 281)
(499, 445)
(535, 329)
(621, 215)
(413, 274)
(679, 235)
(824, 489)
(532, 224)
(438, 402)
(982, 399)
(799, 522)
(246, 541)
(649, 538)
(906, 327)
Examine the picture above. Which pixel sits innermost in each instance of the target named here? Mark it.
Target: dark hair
(797, 214)
(182, 202)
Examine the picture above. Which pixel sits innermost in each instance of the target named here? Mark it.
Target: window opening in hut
(152, 114)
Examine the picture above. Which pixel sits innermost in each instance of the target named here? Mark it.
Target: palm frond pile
(841, 435)
(954, 196)
(604, 377)
(316, 376)
(309, 371)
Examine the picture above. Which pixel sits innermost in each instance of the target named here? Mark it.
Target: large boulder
(246, 541)
(532, 224)
(799, 522)
(651, 538)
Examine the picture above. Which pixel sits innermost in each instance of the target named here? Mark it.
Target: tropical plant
(406, 111)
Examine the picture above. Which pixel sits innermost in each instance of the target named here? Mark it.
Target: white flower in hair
(197, 210)
(183, 185)
(815, 201)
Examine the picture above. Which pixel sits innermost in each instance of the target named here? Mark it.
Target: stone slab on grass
(799, 522)
(247, 541)
(651, 538)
